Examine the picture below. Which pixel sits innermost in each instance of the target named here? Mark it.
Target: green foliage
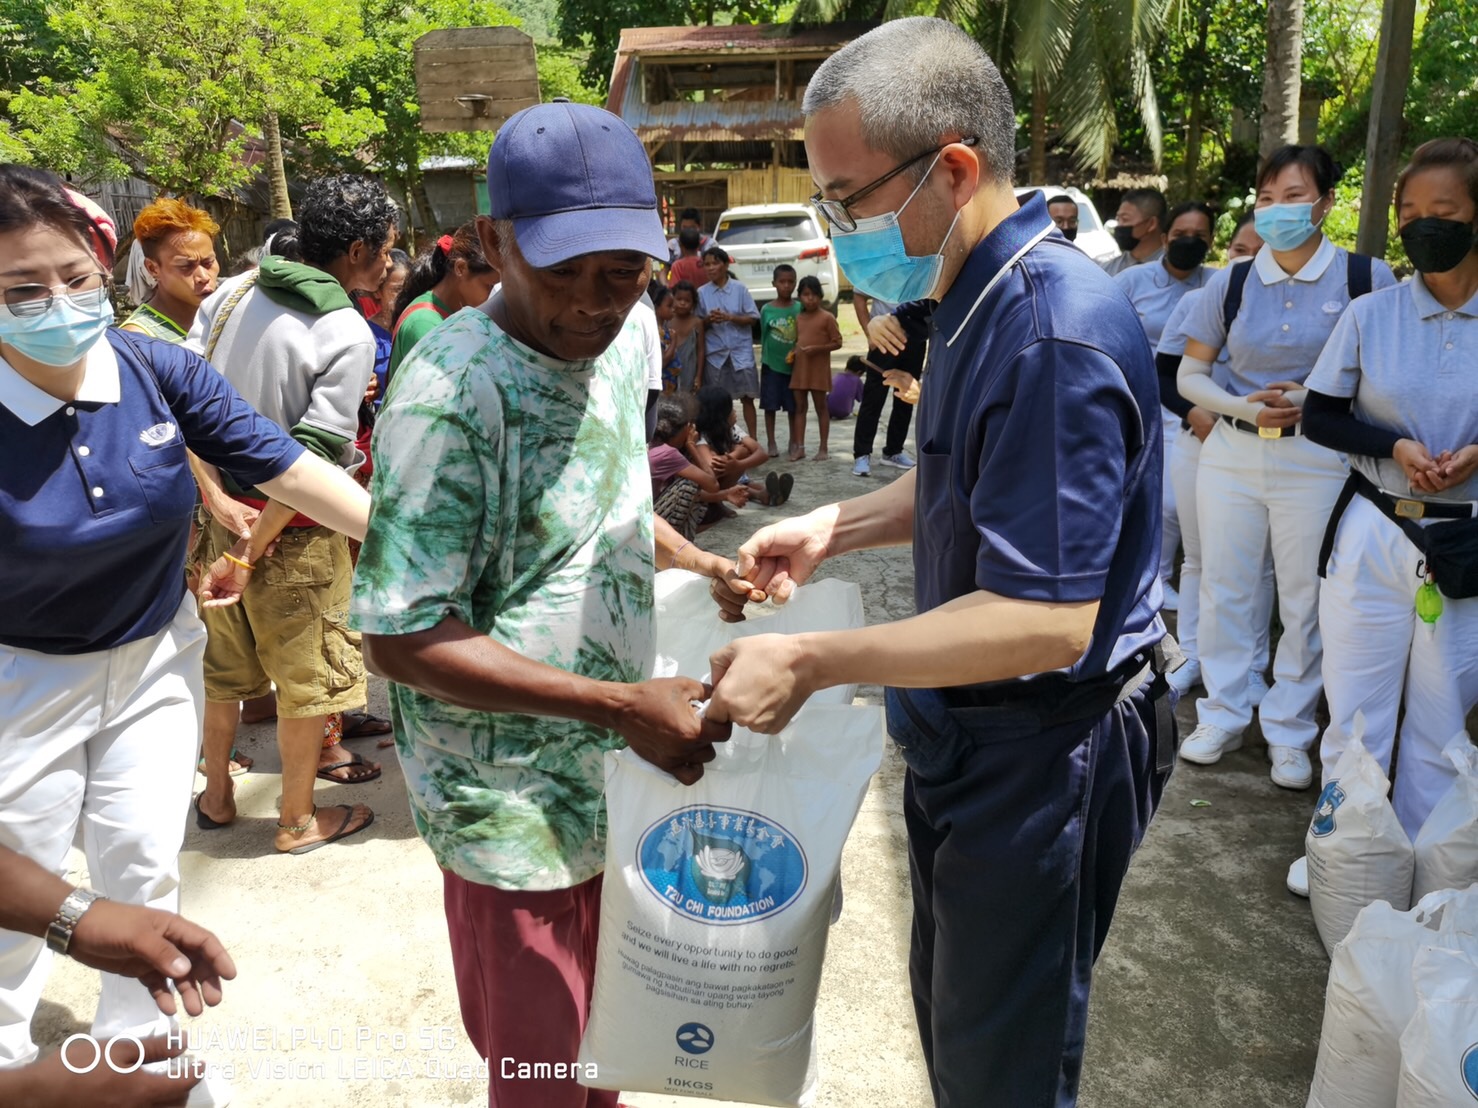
(1443, 98)
(596, 25)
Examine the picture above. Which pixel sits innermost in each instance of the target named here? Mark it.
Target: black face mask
(1125, 237)
(1437, 245)
(1186, 253)
(1069, 233)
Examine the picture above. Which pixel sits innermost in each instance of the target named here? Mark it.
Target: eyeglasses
(34, 300)
(837, 211)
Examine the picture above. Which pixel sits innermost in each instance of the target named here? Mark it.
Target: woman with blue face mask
(1260, 479)
(101, 676)
(1396, 389)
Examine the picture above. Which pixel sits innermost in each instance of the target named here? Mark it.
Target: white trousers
(1169, 519)
(107, 741)
(1251, 491)
(1375, 647)
(1184, 462)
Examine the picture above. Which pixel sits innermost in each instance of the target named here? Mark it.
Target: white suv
(1092, 239)
(758, 237)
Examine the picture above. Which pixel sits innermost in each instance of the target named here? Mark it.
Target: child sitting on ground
(684, 349)
(730, 456)
(678, 483)
(817, 335)
(846, 389)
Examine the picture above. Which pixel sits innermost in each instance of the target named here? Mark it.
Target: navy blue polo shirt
(1039, 440)
(96, 495)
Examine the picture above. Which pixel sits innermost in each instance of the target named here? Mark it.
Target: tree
(180, 102)
(1282, 76)
(596, 25)
(1383, 146)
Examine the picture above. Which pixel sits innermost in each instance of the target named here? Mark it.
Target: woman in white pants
(1260, 479)
(101, 694)
(1155, 289)
(1183, 460)
(1397, 390)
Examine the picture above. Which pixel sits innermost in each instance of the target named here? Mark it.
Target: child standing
(817, 335)
(662, 307)
(684, 347)
(777, 340)
(729, 312)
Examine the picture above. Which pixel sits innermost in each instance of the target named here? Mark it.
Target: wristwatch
(59, 931)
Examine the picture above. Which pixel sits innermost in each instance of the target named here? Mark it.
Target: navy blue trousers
(1019, 841)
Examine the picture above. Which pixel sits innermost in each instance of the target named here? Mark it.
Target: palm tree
(1283, 76)
(1072, 58)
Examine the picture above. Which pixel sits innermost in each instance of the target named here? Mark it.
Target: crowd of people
(519, 429)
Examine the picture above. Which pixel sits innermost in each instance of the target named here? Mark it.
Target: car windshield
(1087, 217)
(758, 230)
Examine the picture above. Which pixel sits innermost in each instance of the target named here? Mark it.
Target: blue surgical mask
(875, 260)
(62, 335)
(1285, 226)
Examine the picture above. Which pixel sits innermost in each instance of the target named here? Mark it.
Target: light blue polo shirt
(1411, 366)
(1154, 292)
(1172, 338)
(1284, 319)
(727, 342)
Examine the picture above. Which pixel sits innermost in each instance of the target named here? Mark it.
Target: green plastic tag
(1429, 603)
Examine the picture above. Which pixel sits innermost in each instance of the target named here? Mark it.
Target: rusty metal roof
(767, 38)
(717, 120)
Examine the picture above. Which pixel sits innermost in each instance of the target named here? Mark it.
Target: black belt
(1395, 508)
(1264, 432)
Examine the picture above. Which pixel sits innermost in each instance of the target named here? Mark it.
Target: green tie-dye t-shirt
(511, 491)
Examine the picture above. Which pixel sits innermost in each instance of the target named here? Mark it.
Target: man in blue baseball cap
(505, 586)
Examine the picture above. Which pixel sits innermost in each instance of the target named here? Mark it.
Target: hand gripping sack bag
(718, 897)
(1439, 1048)
(1371, 998)
(1357, 850)
(1447, 845)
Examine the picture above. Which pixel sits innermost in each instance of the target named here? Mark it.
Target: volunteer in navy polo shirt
(100, 646)
(1028, 696)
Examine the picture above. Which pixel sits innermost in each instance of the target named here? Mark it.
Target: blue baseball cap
(574, 179)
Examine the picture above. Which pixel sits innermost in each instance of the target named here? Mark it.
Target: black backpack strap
(1232, 303)
(1358, 278)
(1331, 529)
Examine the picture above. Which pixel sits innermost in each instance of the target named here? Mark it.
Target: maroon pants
(525, 966)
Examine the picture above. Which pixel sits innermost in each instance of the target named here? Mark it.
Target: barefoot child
(678, 483)
(662, 307)
(685, 347)
(817, 335)
(729, 311)
(777, 340)
(730, 456)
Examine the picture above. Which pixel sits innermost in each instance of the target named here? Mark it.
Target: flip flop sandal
(772, 489)
(361, 725)
(203, 821)
(341, 833)
(242, 763)
(354, 759)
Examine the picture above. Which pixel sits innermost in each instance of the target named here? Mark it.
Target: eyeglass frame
(23, 308)
(838, 213)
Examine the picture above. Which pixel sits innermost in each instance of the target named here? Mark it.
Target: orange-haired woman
(172, 267)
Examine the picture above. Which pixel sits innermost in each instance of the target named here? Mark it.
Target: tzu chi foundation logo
(721, 865)
(1329, 801)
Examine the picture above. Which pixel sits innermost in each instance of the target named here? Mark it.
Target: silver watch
(59, 931)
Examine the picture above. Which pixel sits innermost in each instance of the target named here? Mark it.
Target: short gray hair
(916, 81)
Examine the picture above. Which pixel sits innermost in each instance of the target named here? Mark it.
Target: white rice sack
(718, 897)
(1439, 1048)
(1357, 850)
(1371, 998)
(1447, 845)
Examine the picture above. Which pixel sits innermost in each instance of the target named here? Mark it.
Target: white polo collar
(1271, 272)
(31, 405)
